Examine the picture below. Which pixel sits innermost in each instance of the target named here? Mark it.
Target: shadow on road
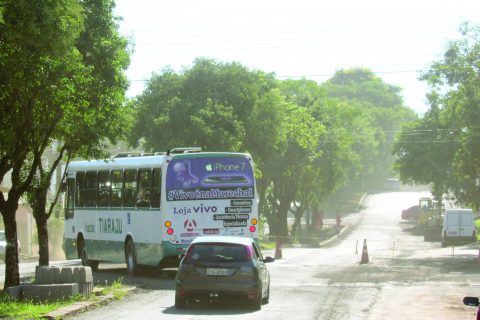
(149, 278)
(221, 307)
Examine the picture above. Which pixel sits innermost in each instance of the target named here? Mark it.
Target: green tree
(424, 152)
(204, 106)
(346, 148)
(35, 51)
(55, 84)
(282, 170)
(361, 88)
(99, 115)
(445, 144)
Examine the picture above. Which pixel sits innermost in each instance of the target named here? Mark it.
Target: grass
(28, 310)
(11, 309)
(117, 288)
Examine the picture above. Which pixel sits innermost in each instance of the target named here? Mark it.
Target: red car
(411, 213)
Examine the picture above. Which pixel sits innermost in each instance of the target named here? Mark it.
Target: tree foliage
(306, 145)
(384, 113)
(443, 148)
(62, 78)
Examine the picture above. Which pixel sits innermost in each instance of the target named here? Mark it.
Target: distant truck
(458, 227)
(428, 208)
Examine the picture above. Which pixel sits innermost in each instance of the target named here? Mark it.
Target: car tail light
(248, 253)
(181, 293)
(188, 255)
(252, 296)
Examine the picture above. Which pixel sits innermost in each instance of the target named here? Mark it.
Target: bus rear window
(215, 252)
(210, 178)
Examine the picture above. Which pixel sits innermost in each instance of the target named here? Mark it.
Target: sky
(397, 40)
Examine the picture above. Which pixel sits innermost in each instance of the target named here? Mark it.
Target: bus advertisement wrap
(216, 193)
(210, 179)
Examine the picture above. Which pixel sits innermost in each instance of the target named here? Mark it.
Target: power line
(297, 76)
(402, 23)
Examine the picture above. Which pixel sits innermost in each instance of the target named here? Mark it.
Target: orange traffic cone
(364, 253)
(278, 249)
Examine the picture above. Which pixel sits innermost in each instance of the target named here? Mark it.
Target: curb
(83, 306)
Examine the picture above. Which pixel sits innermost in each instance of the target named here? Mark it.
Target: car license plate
(217, 272)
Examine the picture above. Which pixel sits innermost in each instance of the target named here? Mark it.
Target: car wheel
(180, 302)
(131, 258)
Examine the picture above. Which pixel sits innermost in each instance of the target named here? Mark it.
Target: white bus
(145, 210)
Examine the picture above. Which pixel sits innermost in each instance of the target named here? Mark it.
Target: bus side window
(144, 188)
(91, 189)
(130, 188)
(104, 189)
(117, 181)
(70, 199)
(156, 188)
(80, 190)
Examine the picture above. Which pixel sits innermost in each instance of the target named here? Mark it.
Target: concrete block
(54, 275)
(66, 275)
(41, 274)
(85, 288)
(82, 274)
(14, 293)
(49, 292)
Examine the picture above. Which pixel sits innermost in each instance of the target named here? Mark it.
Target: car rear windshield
(209, 252)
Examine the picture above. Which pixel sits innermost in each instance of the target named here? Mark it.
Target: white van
(458, 227)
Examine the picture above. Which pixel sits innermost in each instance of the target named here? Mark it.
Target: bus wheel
(82, 251)
(93, 264)
(131, 258)
(83, 255)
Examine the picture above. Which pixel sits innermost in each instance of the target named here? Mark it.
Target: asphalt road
(406, 278)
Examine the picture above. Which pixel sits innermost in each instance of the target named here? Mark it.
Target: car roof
(223, 239)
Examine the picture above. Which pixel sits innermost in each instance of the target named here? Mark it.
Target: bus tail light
(170, 231)
(252, 228)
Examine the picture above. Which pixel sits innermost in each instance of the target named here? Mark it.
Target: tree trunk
(42, 242)
(12, 274)
(41, 220)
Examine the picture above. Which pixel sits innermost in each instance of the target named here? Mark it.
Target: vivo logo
(204, 209)
(200, 209)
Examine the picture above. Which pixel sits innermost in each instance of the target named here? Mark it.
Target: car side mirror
(471, 301)
(268, 259)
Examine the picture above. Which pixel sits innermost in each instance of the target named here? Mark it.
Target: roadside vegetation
(443, 147)
(28, 310)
